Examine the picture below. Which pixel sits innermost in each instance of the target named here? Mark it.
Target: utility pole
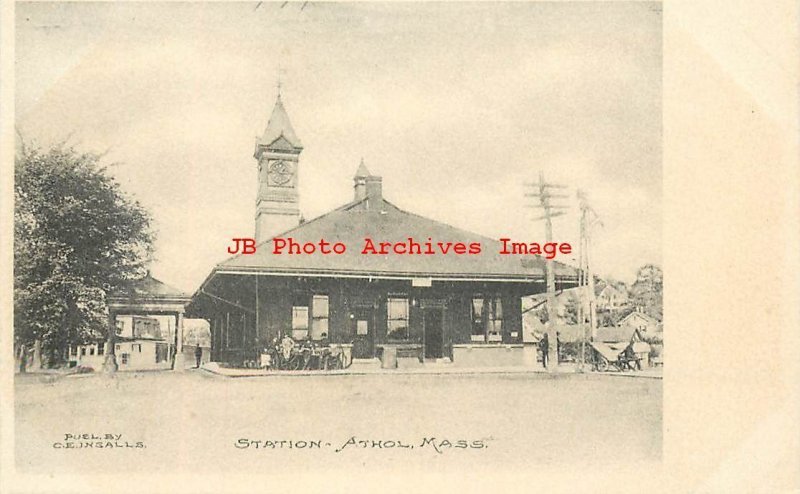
(582, 286)
(543, 191)
(589, 218)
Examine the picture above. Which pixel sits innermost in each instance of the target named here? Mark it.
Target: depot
(462, 307)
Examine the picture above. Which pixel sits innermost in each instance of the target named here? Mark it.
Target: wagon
(606, 357)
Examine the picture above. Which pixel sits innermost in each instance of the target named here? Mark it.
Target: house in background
(611, 297)
(140, 344)
(146, 343)
(647, 325)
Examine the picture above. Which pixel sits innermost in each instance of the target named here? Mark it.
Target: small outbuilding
(148, 323)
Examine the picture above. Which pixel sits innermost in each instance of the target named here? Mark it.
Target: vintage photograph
(268, 237)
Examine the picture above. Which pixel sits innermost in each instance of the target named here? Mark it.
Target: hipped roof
(381, 221)
(151, 289)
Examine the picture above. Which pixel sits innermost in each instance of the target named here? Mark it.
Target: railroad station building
(464, 310)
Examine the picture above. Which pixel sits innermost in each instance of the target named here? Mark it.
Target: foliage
(620, 286)
(647, 291)
(543, 313)
(77, 236)
(656, 339)
(610, 318)
(571, 309)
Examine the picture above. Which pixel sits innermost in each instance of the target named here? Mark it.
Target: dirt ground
(163, 422)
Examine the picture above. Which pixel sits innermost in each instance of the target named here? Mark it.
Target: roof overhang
(561, 280)
(384, 275)
(148, 304)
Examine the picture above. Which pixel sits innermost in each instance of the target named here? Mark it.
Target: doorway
(364, 330)
(433, 332)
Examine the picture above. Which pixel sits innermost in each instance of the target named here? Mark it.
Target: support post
(179, 363)
(552, 336)
(258, 327)
(586, 244)
(36, 364)
(544, 192)
(592, 297)
(110, 361)
(23, 358)
(582, 284)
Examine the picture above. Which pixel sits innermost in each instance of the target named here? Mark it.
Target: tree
(77, 237)
(647, 291)
(572, 309)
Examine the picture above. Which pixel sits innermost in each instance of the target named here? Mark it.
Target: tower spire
(277, 153)
(278, 126)
(362, 171)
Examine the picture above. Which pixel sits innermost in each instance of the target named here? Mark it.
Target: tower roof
(362, 171)
(279, 126)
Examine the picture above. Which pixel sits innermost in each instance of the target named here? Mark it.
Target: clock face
(280, 173)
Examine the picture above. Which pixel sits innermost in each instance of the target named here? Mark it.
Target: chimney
(360, 182)
(359, 188)
(374, 187)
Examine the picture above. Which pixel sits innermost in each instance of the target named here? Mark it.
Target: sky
(455, 105)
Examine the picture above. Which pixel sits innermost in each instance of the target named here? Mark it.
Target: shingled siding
(236, 337)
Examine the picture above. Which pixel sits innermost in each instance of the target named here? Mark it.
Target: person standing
(198, 355)
(558, 347)
(544, 345)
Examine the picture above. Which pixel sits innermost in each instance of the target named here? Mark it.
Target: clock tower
(277, 153)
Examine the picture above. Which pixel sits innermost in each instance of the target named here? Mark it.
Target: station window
(397, 318)
(136, 347)
(490, 308)
(495, 317)
(91, 350)
(300, 317)
(320, 312)
(478, 330)
(101, 348)
(83, 351)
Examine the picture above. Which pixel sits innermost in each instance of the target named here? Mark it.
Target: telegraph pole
(589, 218)
(544, 192)
(582, 285)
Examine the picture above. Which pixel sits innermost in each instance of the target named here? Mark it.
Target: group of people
(286, 353)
